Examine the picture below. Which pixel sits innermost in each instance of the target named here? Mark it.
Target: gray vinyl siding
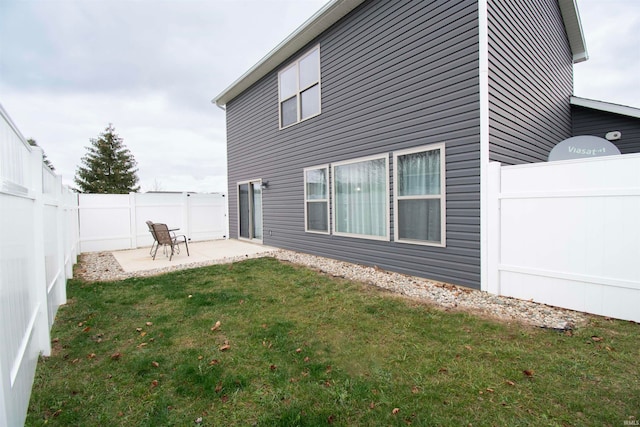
(587, 121)
(394, 75)
(530, 80)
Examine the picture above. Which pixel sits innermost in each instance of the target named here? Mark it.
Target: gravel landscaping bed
(102, 266)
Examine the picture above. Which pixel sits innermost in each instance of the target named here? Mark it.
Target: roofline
(330, 13)
(333, 11)
(573, 27)
(607, 107)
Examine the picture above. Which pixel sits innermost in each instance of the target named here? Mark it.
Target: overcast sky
(68, 68)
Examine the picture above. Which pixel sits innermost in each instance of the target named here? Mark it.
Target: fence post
(41, 325)
(493, 228)
(186, 200)
(132, 221)
(62, 250)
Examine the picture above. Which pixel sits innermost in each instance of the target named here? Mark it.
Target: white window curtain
(361, 198)
(419, 191)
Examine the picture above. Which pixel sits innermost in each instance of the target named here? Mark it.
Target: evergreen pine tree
(108, 167)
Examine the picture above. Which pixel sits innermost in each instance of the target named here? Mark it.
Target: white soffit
(310, 29)
(606, 107)
(573, 27)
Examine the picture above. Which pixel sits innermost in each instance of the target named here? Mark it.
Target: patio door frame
(252, 210)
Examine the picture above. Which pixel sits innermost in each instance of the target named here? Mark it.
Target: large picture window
(419, 188)
(316, 197)
(361, 198)
(299, 89)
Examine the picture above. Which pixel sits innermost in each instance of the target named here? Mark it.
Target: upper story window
(299, 89)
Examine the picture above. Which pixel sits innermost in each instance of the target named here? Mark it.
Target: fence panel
(39, 235)
(568, 234)
(113, 222)
(105, 222)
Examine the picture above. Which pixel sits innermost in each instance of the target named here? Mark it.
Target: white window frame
(299, 91)
(442, 196)
(387, 237)
(306, 201)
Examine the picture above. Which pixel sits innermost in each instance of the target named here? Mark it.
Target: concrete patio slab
(139, 259)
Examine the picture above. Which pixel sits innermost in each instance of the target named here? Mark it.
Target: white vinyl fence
(118, 221)
(568, 234)
(39, 230)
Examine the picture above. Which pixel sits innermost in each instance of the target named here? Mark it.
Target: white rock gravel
(102, 266)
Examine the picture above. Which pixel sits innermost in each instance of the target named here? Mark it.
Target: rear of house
(366, 135)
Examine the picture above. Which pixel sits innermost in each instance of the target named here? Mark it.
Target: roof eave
(336, 9)
(606, 107)
(573, 27)
(305, 33)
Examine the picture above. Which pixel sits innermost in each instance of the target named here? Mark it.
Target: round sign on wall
(582, 147)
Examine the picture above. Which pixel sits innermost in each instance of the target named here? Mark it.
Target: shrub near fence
(39, 230)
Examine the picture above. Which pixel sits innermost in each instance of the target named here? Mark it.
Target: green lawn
(297, 348)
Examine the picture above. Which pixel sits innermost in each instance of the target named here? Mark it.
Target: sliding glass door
(250, 210)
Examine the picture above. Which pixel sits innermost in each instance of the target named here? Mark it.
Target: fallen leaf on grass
(224, 398)
(306, 359)
(198, 420)
(155, 364)
(218, 388)
(91, 356)
(116, 356)
(225, 347)
(149, 323)
(490, 390)
(372, 405)
(298, 350)
(213, 362)
(395, 411)
(528, 372)
(154, 383)
(596, 339)
(87, 329)
(415, 389)
(142, 344)
(273, 367)
(510, 382)
(138, 329)
(216, 326)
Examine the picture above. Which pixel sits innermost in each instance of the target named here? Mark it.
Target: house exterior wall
(394, 75)
(587, 121)
(530, 80)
